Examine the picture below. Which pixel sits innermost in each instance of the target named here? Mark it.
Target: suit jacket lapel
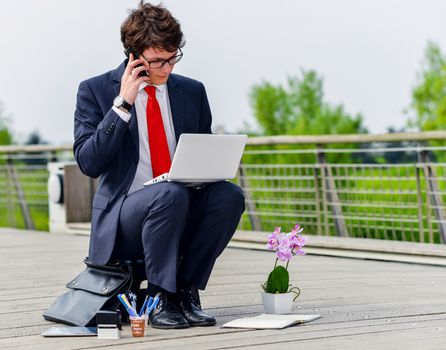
(133, 123)
(176, 105)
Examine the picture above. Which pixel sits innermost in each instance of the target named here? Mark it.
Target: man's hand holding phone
(131, 79)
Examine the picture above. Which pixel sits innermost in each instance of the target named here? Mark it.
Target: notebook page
(269, 321)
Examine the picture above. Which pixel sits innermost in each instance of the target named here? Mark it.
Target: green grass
(382, 205)
(34, 186)
(13, 218)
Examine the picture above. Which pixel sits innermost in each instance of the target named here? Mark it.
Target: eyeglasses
(160, 63)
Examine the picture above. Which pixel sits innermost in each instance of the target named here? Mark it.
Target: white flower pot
(277, 303)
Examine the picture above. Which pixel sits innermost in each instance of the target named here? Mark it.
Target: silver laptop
(203, 158)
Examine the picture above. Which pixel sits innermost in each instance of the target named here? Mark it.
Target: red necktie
(159, 149)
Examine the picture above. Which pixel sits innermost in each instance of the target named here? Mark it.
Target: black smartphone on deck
(131, 50)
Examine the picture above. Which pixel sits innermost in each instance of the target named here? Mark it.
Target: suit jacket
(108, 147)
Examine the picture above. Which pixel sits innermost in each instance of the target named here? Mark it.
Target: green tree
(300, 109)
(5, 131)
(429, 93)
(294, 108)
(34, 138)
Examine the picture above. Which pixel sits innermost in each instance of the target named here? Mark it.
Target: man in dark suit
(127, 124)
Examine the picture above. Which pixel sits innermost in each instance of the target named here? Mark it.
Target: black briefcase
(94, 289)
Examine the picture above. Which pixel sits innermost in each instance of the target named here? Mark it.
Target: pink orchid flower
(287, 245)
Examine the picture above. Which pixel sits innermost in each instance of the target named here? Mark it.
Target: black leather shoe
(191, 309)
(166, 315)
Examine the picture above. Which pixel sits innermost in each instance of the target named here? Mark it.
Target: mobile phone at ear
(131, 50)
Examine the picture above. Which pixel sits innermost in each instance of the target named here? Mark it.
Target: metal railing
(350, 191)
(353, 191)
(23, 184)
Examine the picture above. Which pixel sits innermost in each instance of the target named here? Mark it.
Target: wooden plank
(363, 303)
(355, 244)
(357, 248)
(35, 148)
(352, 138)
(269, 140)
(213, 337)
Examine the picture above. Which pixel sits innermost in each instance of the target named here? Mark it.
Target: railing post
(433, 195)
(318, 200)
(324, 195)
(253, 218)
(420, 205)
(332, 196)
(10, 196)
(12, 174)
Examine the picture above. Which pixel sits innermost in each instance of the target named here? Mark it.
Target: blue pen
(143, 306)
(127, 306)
(152, 305)
(149, 302)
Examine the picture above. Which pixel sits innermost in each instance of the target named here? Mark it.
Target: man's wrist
(122, 104)
(123, 109)
(124, 115)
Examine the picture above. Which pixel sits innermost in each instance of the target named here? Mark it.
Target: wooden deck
(364, 304)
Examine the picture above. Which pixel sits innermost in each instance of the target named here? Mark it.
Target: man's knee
(177, 194)
(170, 197)
(230, 195)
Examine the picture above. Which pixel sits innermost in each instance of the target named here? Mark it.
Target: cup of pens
(138, 320)
(138, 325)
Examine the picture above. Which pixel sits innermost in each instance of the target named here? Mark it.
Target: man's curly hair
(151, 26)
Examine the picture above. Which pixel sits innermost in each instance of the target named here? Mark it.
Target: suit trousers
(178, 231)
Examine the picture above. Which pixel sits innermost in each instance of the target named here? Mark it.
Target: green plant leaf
(278, 281)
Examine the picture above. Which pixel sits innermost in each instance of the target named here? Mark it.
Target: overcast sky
(368, 52)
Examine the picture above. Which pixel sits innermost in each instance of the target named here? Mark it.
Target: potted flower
(279, 294)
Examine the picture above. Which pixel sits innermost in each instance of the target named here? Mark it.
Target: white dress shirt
(144, 168)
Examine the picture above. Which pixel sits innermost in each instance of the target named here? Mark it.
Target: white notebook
(270, 321)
